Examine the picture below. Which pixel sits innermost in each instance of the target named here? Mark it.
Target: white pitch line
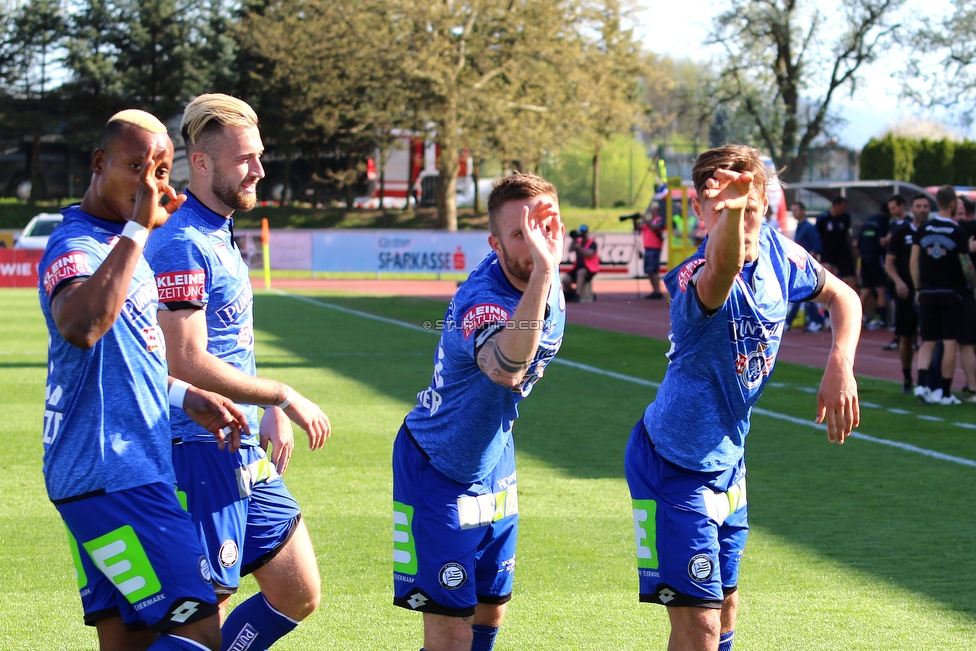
(635, 380)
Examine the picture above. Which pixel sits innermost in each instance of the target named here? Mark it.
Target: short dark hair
(738, 158)
(800, 204)
(512, 188)
(897, 198)
(968, 204)
(944, 197)
(921, 196)
(836, 201)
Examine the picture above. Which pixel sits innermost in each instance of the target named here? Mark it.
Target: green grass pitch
(864, 546)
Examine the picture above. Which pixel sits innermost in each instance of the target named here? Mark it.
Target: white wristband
(287, 401)
(177, 391)
(136, 232)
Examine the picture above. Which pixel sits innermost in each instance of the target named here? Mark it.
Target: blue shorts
(240, 507)
(652, 261)
(453, 543)
(136, 556)
(691, 527)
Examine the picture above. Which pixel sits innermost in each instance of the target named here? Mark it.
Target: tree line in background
(515, 82)
(920, 161)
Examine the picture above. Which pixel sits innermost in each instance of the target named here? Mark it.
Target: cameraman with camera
(652, 228)
(587, 265)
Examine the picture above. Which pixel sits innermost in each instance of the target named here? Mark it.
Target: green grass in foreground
(856, 547)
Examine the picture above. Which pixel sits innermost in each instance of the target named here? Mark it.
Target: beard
(515, 268)
(230, 195)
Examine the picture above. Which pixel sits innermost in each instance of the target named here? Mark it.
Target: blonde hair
(120, 125)
(209, 113)
(142, 119)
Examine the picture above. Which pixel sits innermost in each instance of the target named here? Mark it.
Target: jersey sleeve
(182, 274)
(73, 258)
(961, 238)
(476, 316)
(806, 276)
(688, 315)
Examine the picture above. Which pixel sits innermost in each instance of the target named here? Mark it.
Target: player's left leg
(114, 635)
(476, 633)
(278, 551)
(732, 535)
(730, 608)
(694, 628)
(290, 581)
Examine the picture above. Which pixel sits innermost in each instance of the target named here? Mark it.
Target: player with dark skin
(129, 178)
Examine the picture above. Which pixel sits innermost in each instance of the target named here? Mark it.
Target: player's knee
(211, 639)
(310, 604)
(489, 614)
(447, 634)
(730, 606)
(205, 632)
(700, 628)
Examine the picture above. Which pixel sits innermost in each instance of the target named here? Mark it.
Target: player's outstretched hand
(837, 401)
(730, 188)
(310, 418)
(543, 233)
(150, 191)
(218, 415)
(276, 429)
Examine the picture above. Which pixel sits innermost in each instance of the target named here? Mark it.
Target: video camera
(635, 217)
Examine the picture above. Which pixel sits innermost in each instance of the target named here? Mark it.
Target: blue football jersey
(198, 266)
(720, 362)
(464, 420)
(106, 414)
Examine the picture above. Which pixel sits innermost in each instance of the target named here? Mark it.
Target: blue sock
(483, 637)
(176, 643)
(725, 641)
(254, 626)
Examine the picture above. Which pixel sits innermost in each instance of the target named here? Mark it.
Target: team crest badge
(452, 576)
(700, 568)
(752, 368)
(204, 568)
(228, 553)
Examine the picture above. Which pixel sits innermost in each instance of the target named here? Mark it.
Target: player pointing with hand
(685, 464)
(454, 483)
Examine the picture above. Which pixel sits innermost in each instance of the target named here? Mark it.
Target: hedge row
(922, 162)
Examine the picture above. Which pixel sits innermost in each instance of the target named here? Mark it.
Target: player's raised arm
(837, 400)
(506, 356)
(85, 310)
(728, 198)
